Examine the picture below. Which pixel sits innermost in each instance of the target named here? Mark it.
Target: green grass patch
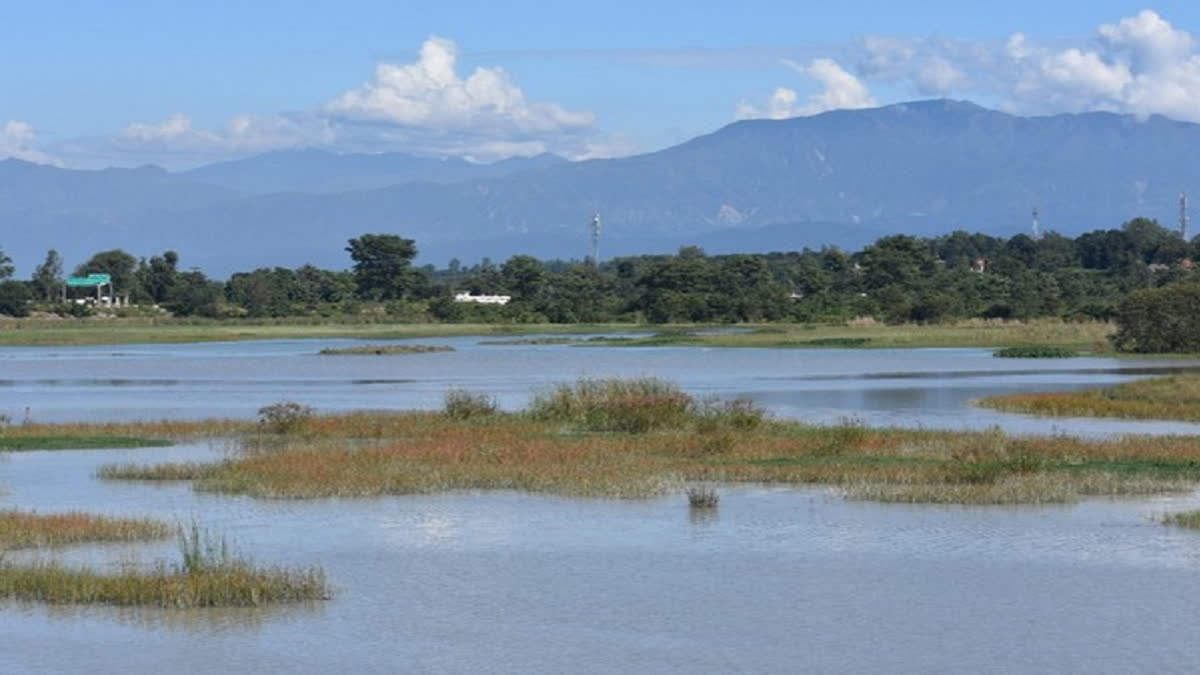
(1188, 519)
(1035, 352)
(27, 443)
(385, 350)
(1175, 397)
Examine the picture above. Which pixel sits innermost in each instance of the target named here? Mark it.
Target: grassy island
(646, 438)
(1163, 398)
(384, 350)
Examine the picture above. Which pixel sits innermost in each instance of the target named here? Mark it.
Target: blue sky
(90, 84)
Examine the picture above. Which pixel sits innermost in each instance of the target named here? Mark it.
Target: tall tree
(6, 267)
(382, 265)
(47, 278)
(117, 264)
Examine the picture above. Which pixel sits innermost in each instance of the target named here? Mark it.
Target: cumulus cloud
(429, 93)
(840, 90)
(17, 140)
(424, 107)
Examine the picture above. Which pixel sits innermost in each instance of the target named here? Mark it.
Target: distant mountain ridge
(323, 172)
(843, 177)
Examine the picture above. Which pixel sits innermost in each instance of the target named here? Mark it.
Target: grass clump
(208, 575)
(461, 404)
(703, 497)
(1175, 397)
(382, 350)
(1188, 519)
(24, 443)
(1035, 352)
(628, 406)
(176, 471)
(285, 417)
(22, 529)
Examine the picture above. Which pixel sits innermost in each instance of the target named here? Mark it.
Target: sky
(90, 83)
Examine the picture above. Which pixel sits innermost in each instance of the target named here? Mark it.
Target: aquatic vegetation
(24, 529)
(1165, 398)
(209, 574)
(174, 471)
(381, 350)
(632, 406)
(703, 497)
(1188, 519)
(646, 438)
(30, 443)
(1035, 352)
(461, 404)
(285, 417)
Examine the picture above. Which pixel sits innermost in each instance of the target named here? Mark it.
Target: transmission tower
(1183, 216)
(595, 227)
(1037, 230)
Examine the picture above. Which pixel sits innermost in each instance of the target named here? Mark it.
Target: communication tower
(1037, 230)
(595, 228)
(1183, 216)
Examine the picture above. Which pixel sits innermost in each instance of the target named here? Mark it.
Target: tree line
(897, 278)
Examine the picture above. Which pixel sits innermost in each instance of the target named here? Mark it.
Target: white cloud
(1140, 64)
(17, 140)
(839, 91)
(430, 94)
(424, 107)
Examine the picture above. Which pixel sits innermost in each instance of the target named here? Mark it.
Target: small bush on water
(703, 498)
(1188, 519)
(461, 404)
(285, 417)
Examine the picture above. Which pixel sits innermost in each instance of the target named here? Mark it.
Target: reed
(703, 497)
(630, 406)
(461, 404)
(1188, 519)
(1167, 398)
(23, 529)
(236, 585)
(181, 471)
(31, 443)
(383, 350)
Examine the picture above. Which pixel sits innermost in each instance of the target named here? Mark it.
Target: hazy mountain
(320, 171)
(842, 177)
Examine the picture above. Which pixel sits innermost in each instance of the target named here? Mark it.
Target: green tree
(118, 264)
(1160, 320)
(194, 294)
(14, 298)
(47, 278)
(6, 266)
(524, 277)
(382, 265)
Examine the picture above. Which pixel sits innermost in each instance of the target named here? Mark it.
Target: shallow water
(884, 387)
(774, 580)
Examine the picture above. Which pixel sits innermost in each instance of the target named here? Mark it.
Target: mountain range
(841, 178)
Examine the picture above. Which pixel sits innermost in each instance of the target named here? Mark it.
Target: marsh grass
(166, 472)
(1188, 519)
(629, 406)
(209, 574)
(461, 404)
(645, 438)
(703, 497)
(22, 529)
(384, 350)
(1035, 352)
(32, 443)
(1167, 398)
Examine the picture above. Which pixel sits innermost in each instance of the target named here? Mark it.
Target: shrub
(461, 404)
(285, 417)
(629, 406)
(740, 414)
(703, 498)
(1160, 320)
